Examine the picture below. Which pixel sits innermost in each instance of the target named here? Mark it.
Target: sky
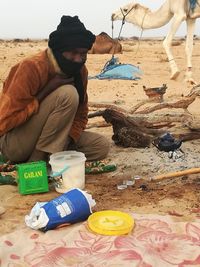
(36, 19)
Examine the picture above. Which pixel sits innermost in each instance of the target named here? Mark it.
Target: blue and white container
(71, 207)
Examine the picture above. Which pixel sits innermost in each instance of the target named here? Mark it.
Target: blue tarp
(193, 4)
(115, 70)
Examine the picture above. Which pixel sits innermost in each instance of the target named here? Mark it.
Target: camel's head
(124, 11)
(129, 12)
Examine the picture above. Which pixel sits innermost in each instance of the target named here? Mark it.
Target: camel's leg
(188, 50)
(167, 43)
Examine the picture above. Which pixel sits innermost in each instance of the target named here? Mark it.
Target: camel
(179, 11)
(104, 44)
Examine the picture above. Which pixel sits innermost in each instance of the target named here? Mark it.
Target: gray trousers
(48, 130)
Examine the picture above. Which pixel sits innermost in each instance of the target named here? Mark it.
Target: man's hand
(53, 84)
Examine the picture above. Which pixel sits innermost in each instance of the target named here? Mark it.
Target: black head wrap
(71, 33)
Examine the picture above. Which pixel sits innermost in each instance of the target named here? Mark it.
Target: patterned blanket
(156, 241)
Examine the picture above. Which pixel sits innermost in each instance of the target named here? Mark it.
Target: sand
(178, 196)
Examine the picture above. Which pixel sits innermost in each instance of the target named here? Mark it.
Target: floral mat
(156, 241)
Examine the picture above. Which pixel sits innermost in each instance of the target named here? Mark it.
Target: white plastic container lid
(69, 157)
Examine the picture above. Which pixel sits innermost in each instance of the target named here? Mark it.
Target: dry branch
(139, 129)
(107, 106)
(176, 174)
(96, 114)
(127, 132)
(183, 103)
(150, 120)
(98, 124)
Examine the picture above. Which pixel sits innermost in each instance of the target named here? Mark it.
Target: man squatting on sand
(44, 101)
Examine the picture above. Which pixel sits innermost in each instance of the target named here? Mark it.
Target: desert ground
(179, 196)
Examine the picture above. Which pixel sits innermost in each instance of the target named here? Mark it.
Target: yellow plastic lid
(110, 222)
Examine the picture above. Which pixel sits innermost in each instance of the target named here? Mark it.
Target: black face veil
(70, 34)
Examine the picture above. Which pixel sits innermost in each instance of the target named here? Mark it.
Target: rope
(123, 22)
(142, 29)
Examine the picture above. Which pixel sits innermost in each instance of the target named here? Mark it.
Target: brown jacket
(25, 80)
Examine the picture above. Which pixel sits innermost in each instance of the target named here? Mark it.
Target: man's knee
(101, 147)
(104, 147)
(67, 95)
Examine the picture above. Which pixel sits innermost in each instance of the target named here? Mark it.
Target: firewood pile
(138, 126)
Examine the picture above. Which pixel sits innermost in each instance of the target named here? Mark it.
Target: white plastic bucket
(71, 164)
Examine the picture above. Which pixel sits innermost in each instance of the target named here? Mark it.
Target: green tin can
(32, 177)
